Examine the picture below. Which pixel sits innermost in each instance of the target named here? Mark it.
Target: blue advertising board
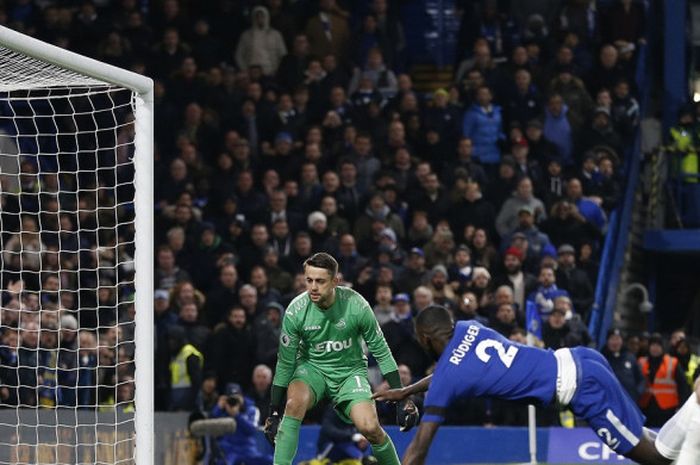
(579, 445)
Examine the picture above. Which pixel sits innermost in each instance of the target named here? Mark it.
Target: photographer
(241, 446)
(340, 441)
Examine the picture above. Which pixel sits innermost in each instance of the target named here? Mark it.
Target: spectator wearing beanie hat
(623, 364)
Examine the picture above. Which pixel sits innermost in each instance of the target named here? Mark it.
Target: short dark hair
(322, 260)
(435, 318)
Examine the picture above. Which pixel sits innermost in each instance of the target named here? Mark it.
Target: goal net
(76, 258)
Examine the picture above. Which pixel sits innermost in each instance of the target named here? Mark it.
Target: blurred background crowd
(287, 128)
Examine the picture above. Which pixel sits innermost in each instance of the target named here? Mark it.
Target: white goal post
(76, 229)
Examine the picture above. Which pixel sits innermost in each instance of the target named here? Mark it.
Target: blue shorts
(603, 403)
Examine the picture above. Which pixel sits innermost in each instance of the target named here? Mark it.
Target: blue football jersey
(480, 362)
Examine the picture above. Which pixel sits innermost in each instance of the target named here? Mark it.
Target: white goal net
(75, 262)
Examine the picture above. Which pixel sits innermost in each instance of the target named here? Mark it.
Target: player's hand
(697, 390)
(406, 415)
(390, 395)
(272, 424)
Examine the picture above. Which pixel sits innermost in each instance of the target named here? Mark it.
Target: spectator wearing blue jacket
(546, 292)
(241, 446)
(591, 211)
(483, 125)
(558, 130)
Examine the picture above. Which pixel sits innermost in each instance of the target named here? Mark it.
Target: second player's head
(321, 276)
(434, 329)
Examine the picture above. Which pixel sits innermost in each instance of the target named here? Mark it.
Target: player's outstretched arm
(395, 395)
(418, 449)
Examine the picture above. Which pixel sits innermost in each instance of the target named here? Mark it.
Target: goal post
(76, 219)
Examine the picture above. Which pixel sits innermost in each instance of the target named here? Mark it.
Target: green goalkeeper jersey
(331, 339)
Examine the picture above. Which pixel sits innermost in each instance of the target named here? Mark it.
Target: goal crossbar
(77, 70)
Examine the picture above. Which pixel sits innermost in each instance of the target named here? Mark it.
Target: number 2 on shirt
(506, 356)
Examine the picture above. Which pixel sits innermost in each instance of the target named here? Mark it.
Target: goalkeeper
(320, 355)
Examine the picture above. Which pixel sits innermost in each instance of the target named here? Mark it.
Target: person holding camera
(241, 446)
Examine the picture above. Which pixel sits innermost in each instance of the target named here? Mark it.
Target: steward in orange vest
(666, 387)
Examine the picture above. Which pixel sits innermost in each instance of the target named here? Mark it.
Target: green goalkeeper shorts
(343, 392)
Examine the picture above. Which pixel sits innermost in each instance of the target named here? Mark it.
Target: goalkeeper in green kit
(321, 355)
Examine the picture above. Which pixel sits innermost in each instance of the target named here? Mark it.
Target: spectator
(167, 273)
(623, 24)
(504, 319)
(208, 395)
(399, 334)
(185, 371)
(573, 92)
(467, 308)
(574, 281)
(443, 294)
(422, 298)
(624, 110)
(382, 78)
(232, 336)
(483, 125)
(665, 383)
(241, 446)
(267, 330)
(562, 329)
(507, 218)
(460, 271)
(9, 372)
(278, 278)
(259, 391)
(601, 133)
(222, 296)
(608, 70)
(558, 129)
(537, 240)
(383, 308)
(290, 72)
(328, 31)
(480, 285)
(474, 170)
(339, 441)
(525, 102)
(546, 293)
(587, 208)
(261, 44)
(472, 210)
(624, 364)
(195, 333)
(522, 283)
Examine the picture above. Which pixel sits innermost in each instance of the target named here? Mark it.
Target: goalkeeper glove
(272, 424)
(406, 415)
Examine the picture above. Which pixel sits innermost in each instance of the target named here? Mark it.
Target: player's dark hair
(323, 260)
(435, 319)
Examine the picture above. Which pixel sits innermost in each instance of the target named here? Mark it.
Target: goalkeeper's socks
(385, 452)
(286, 440)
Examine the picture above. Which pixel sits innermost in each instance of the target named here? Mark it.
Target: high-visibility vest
(683, 142)
(664, 388)
(692, 366)
(179, 377)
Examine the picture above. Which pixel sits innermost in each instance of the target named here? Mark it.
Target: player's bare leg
(645, 452)
(299, 400)
(364, 416)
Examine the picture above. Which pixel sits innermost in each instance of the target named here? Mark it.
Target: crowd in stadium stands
(288, 128)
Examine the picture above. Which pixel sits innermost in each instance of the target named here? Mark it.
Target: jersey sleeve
(287, 352)
(440, 394)
(374, 337)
